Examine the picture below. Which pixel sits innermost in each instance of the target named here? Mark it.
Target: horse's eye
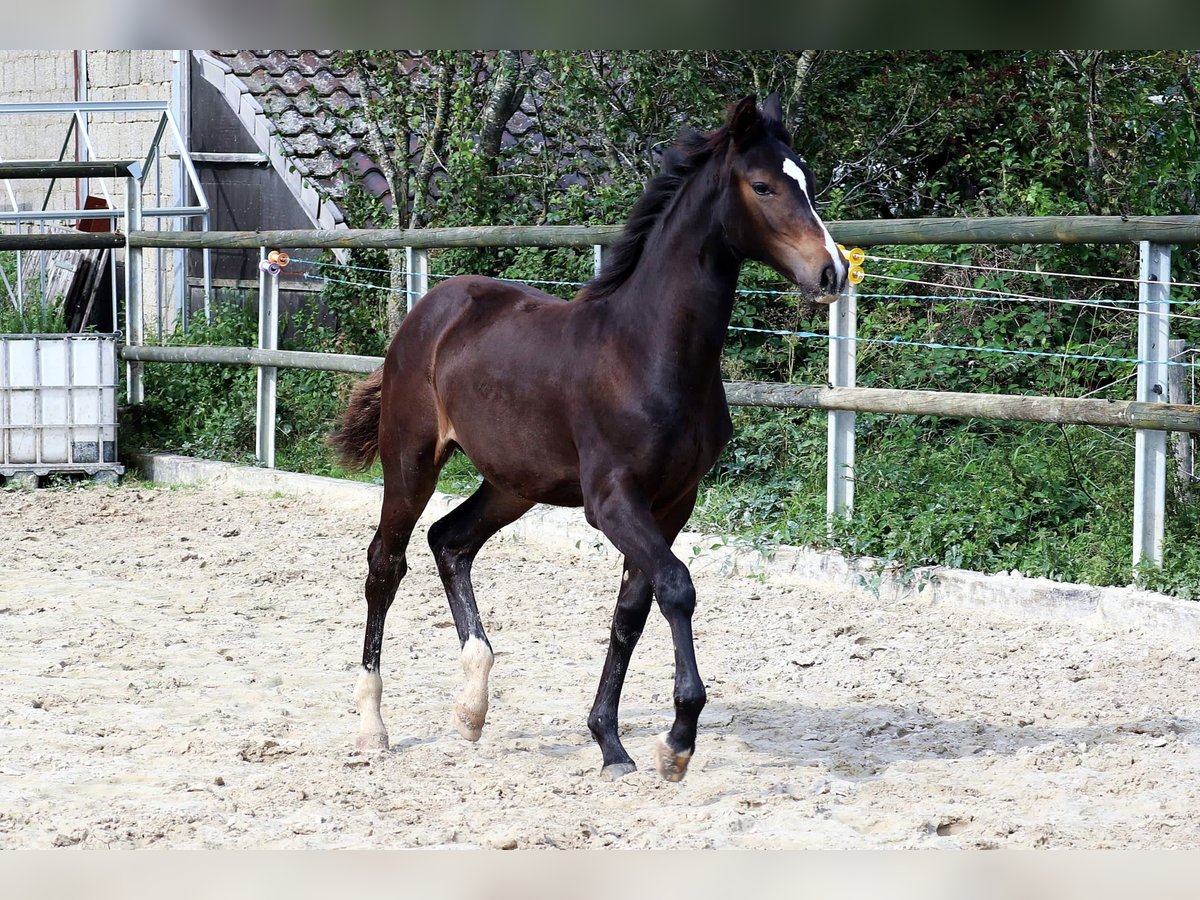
(762, 189)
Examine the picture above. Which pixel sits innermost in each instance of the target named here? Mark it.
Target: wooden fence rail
(996, 407)
(250, 356)
(865, 233)
(53, 241)
(857, 232)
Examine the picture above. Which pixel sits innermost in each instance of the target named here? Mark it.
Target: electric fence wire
(1038, 272)
(809, 335)
(1031, 298)
(991, 293)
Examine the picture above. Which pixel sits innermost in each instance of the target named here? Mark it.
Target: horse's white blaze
(836, 255)
(477, 665)
(368, 694)
(794, 171)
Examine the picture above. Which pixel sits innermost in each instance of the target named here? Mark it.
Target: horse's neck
(680, 297)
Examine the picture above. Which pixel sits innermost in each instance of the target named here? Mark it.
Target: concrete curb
(567, 528)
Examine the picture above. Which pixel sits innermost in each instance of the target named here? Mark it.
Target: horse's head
(769, 213)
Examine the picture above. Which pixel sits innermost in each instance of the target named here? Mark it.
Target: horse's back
(479, 295)
(458, 304)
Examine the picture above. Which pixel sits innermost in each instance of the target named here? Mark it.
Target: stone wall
(35, 76)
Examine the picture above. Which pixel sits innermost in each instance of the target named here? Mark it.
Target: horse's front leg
(677, 601)
(629, 618)
(618, 508)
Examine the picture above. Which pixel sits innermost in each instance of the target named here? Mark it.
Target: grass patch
(1043, 500)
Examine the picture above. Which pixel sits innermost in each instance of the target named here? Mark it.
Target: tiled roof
(312, 102)
(304, 110)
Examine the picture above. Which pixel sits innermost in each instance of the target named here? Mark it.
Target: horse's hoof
(372, 742)
(672, 765)
(469, 724)
(617, 771)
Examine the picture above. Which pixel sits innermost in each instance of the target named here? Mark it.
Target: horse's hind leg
(403, 502)
(455, 540)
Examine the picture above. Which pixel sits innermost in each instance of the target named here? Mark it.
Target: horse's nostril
(829, 279)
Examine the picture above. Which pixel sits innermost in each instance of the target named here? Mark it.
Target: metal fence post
(206, 258)
(268, 339)
(417, 280)
(1150, 447)
(597, 258)
(839, 478)
(21, 277)
(134, 325)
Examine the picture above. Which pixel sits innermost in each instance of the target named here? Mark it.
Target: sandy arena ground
(179, 667)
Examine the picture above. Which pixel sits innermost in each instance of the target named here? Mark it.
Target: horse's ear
(744, 121)
(772, 110)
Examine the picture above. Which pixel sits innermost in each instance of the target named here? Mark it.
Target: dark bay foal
(612, 402)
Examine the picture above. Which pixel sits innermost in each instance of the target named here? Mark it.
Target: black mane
(682, 160)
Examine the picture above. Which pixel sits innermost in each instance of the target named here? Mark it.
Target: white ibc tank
(58, 403)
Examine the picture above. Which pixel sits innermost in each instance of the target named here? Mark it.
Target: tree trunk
(433, 143)
(504, 102)
(397, 302)
(377, 93)
(804, 63)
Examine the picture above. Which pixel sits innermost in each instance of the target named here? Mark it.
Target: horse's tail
(356, 440)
